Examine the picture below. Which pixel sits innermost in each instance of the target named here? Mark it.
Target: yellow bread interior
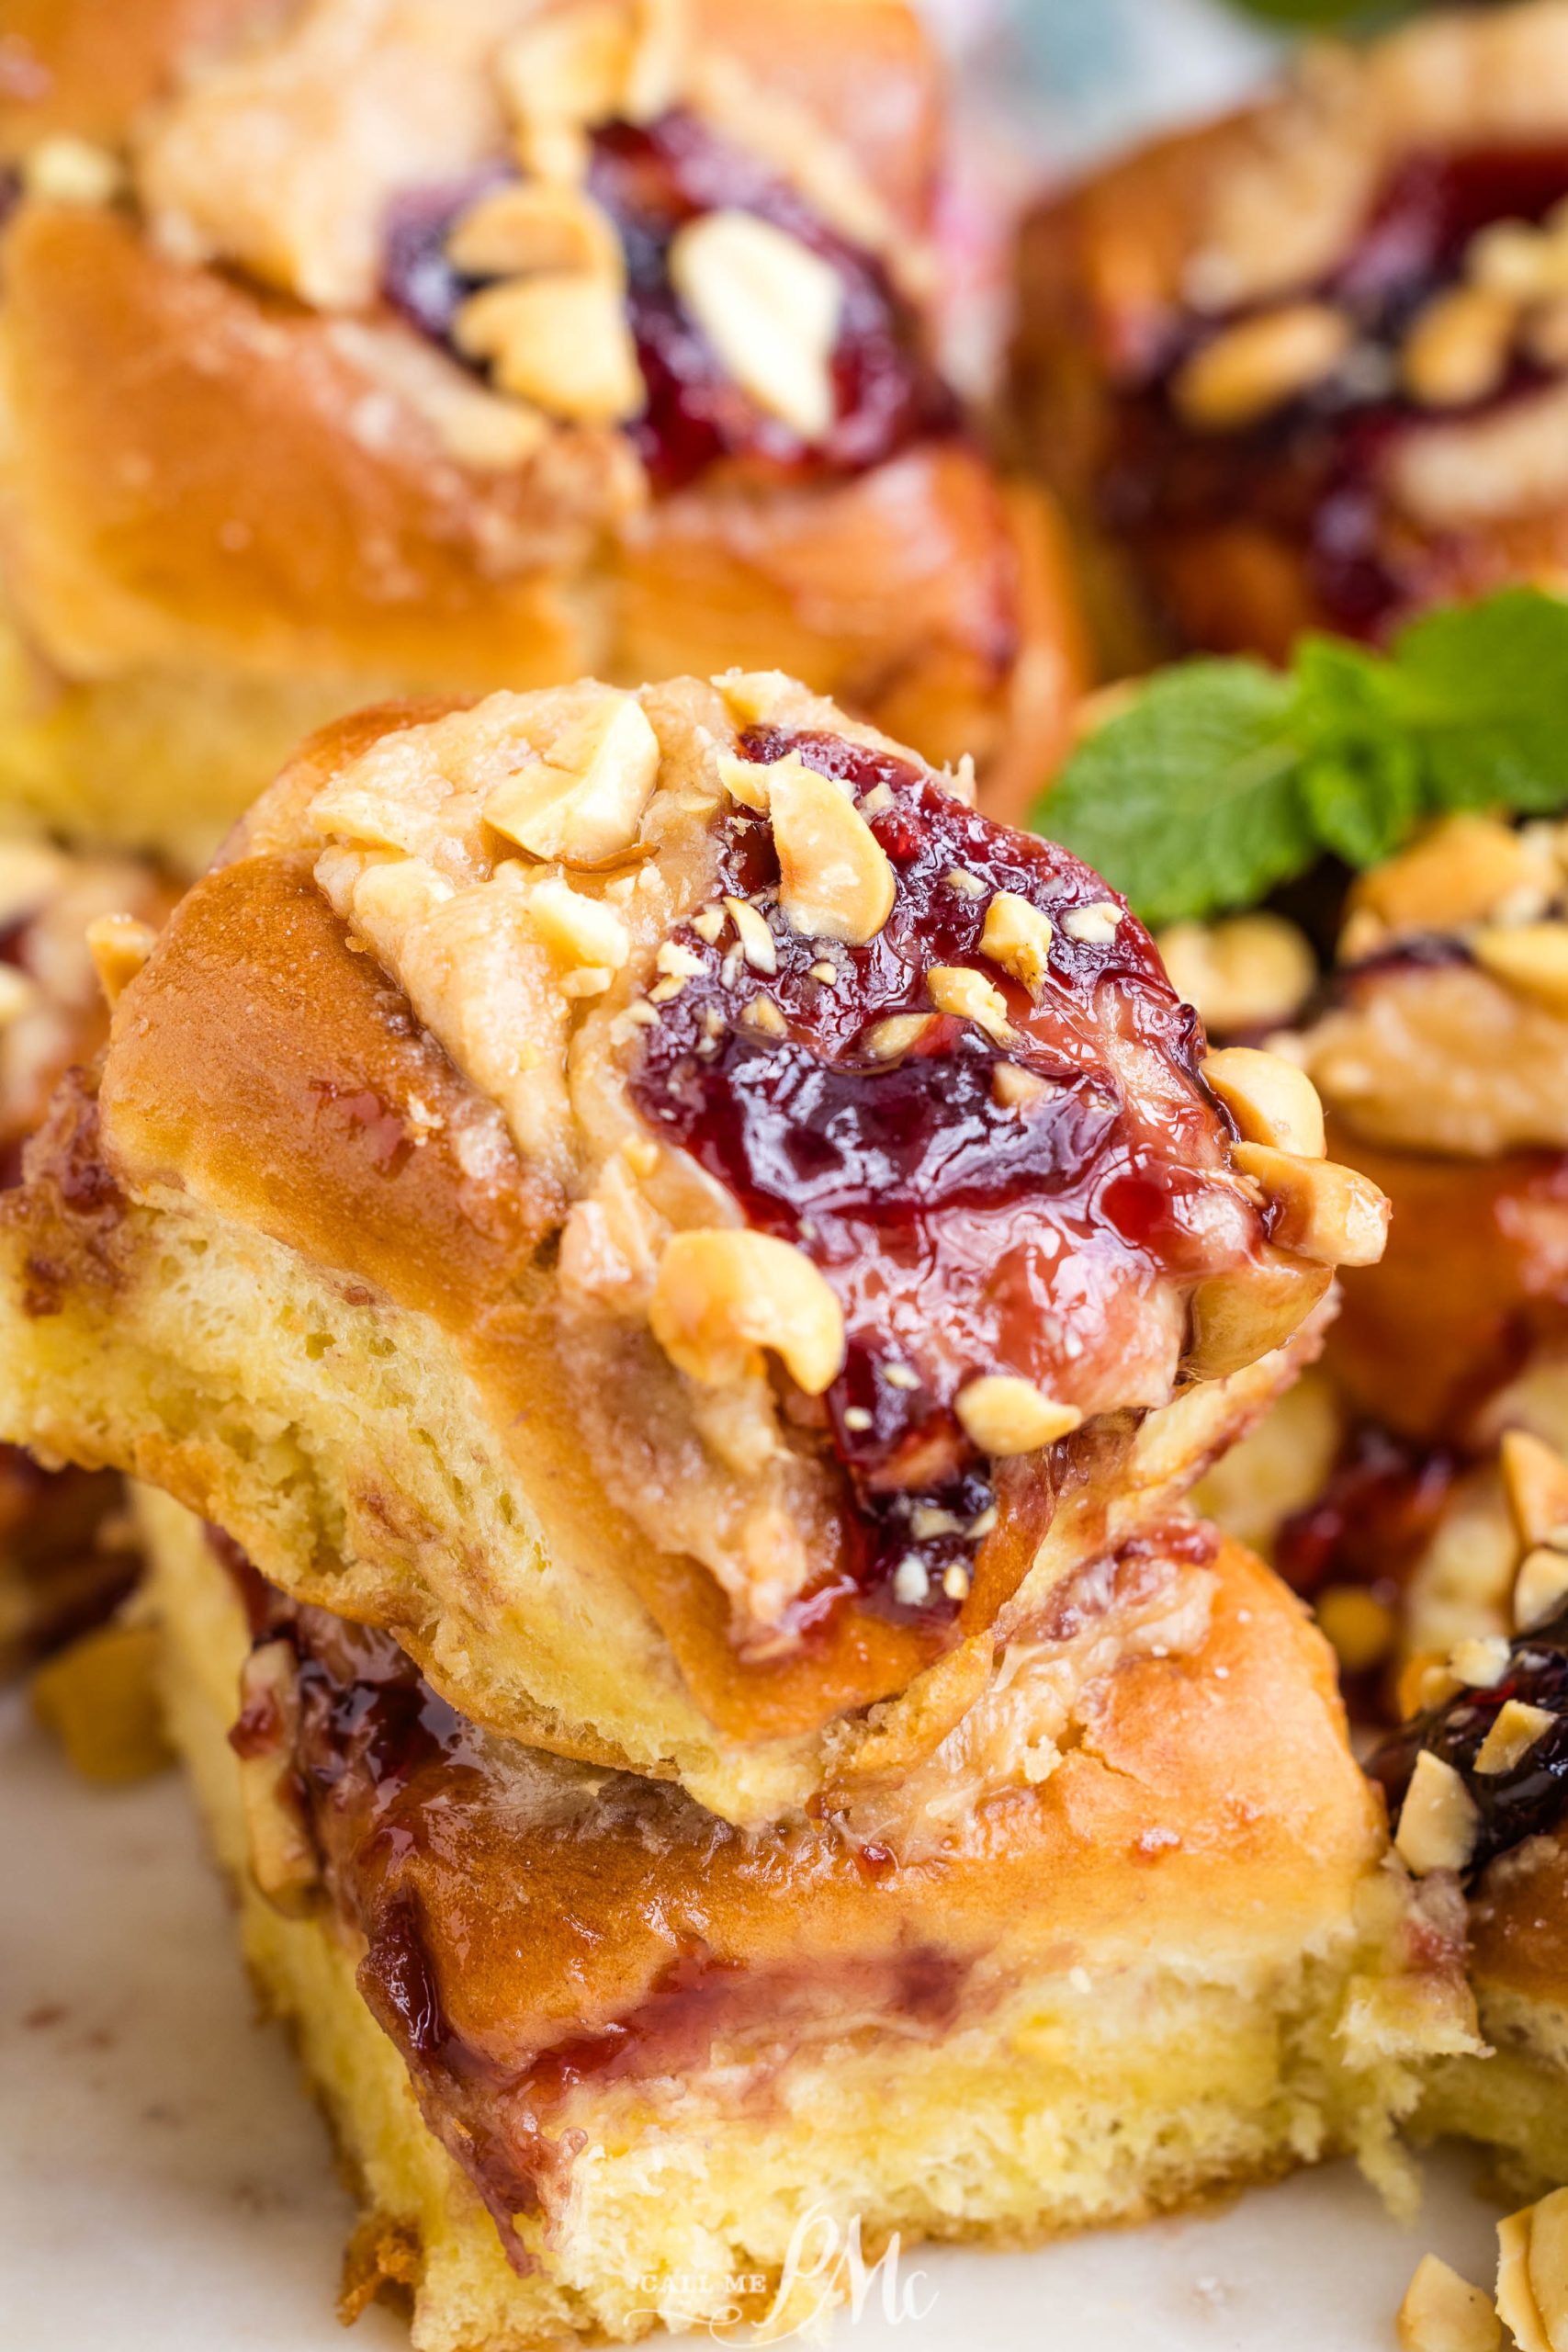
(338, 1438)
(1148, 2072)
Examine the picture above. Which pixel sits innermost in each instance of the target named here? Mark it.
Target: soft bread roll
(1142, 1944)
(1304, 367)
(699, 1181)
(269, 453)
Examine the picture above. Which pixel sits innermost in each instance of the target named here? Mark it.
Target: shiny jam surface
(1309, 472)
(1531, 1798)
(963, 1232)
(651, 180)
(530, 1926)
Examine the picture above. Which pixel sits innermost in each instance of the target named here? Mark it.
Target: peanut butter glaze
(1529, 1798)
(653, 180)
(962, 1234)
(1311, 473)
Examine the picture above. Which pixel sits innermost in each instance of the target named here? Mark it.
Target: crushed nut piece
(1251, 369)
(825, 972)
(708, 923)
(1457, 351)
(911, 1581)
(721, 1295)
(967, 995)
(955, 1582)
(877, 801)
(1004, 1415)
(1270, 1100)
(64, 170)
(1248, 972)
(964, 885)
(582, 803)
(1532, 2274)
(763, 1014)
(528, 226)
(885, 1040)
(836, 882)
(1443, 2313)
(756, 940)
(1457, 874)
(1540, 1589)
(746, 781)
(1535, 1481)
(1530, 958)
(1012, 1086)
(1238, 1317)
(1479, 1661)
(857, 1419)
(770, 307)
(283, 1858)
(1018, 937)
(680, 962)
(1515, 1730)
(1092, 926)
(1321, 1210)
(582, 929)
(1438, 1821)
(560, 340)
(898, 1375)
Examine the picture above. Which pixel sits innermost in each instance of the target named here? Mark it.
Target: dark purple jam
(1309, 474)
(652, 181)
(1513, 1805)
(962, 1233)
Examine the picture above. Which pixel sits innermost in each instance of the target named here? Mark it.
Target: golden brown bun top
(833, 1162)
(1268, 201)
(75, 69)
(1166, 1751)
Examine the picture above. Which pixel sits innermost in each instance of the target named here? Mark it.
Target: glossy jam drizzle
(653, 180)
(964, 1233)
(479, 1872)
(1309, 472)
(1512, 1805)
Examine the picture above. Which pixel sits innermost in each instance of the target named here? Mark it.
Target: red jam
(1310, 474)
(963, 1235)
(653, 180)
(1526, 1802)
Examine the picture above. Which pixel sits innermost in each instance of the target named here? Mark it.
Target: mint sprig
(1224, 779)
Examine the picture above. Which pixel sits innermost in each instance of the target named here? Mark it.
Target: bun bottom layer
(1133, 2066)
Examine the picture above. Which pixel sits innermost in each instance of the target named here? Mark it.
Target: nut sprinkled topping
(1236, 1319)
(721, 1295)
(1018, 937)
(1459, 873)
(1003, 1415)
(1534, 1480)
(1093, 926)
(1480, 1661)
(967, 995)
(1540, 1589)
(1321, 1210)
(1515, 1731)
(835, 880)
(1251, 369)
(583, 803)
(1443, 2313)
(756, 939)
(530, 226)
(119, 945)
(885, 1040)
(582, 929)
(1457, 351)
(1270, 1100)
(560, 340)
(770, 309)
(1012, 1086)
(1530, 957)
(1247, 972)
(1532, 2274)
(1438, 1821)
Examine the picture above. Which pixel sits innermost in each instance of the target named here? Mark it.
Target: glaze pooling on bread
(1309, 360)
(717, 1010)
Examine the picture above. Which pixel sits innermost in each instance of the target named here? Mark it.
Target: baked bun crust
(1148, 1829)
(646, 1154)
(258, 470)
(1285, 358)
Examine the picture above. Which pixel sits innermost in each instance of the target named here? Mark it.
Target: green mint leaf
(1484, 688)
(1188, 800)
(1361, 779)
